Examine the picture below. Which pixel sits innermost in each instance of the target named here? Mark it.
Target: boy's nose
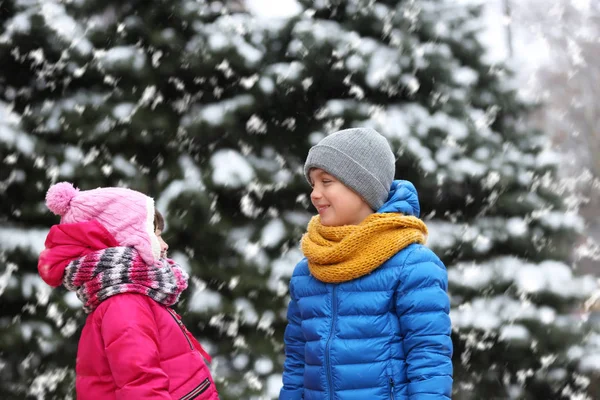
(315, 194)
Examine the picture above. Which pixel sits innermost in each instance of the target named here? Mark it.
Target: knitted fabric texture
(342, 253)
(115, 270)
(360, 158)
(127, 214)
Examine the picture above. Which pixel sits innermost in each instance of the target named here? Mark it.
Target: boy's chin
(325, 221)
(328, 221)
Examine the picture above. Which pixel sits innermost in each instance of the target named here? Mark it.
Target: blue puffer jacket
(385, 335)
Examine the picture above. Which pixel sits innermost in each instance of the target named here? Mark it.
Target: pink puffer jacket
(132, 347)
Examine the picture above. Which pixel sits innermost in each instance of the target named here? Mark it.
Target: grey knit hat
(361, 158)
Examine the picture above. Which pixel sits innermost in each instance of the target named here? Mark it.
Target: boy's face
(336, 204)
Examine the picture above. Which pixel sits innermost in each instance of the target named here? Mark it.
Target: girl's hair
(159, 221)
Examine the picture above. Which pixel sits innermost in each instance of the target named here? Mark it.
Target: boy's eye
(326, 181)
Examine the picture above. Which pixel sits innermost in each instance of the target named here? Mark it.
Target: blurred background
(210, 107)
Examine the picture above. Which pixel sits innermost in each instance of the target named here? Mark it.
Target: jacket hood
(403, 198)
(67, 242)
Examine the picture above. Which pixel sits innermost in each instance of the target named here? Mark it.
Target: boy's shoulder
(301, 268)
(413, 254)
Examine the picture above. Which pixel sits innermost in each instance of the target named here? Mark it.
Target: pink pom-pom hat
(127, 214)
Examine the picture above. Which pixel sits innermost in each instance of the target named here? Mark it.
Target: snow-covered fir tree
(212, 111)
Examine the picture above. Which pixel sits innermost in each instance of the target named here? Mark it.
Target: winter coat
(132, 347)
(385, 335)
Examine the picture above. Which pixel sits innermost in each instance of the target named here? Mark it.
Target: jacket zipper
(181, 327)
(328, 345)
(197, 391)
(391, 389)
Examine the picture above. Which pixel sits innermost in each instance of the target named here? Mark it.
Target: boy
(368, 316)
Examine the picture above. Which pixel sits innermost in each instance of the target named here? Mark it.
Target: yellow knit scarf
(342, 253)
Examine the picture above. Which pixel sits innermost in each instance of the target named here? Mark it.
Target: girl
(108, 249)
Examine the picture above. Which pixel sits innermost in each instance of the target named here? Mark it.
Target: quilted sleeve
(423, 309)
(293, 368)
(130, 339)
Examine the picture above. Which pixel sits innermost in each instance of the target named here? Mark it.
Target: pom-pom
(59, 196)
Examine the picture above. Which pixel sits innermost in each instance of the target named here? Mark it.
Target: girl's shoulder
(123, 306)
(127, 299)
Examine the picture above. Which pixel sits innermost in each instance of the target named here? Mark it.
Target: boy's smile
(336, 204)
(321, 208)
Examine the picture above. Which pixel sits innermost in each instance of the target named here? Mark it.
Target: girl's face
(337, 204)
(163, 245)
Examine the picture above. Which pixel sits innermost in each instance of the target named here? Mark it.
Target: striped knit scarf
(342, 253)
(105, 273)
